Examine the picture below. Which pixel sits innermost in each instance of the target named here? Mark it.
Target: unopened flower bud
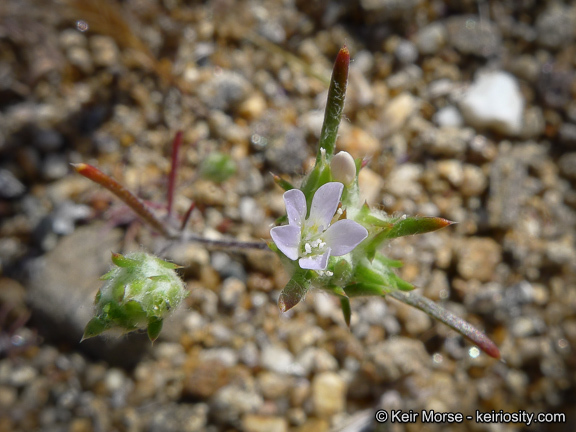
(138, 293)
(343, 168)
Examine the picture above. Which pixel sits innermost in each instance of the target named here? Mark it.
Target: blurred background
(465, 109)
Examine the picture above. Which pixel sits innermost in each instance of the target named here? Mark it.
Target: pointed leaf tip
(284, 184)
(346, 309)
(121, 261)
(94, 327)
(154, 329)
(287, 302)
(417, 225)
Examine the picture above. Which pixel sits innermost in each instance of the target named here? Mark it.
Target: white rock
(328, 394)
(398, 111)
(403, 181)
(448, 116)
(431, 38)
(277, 359)
(494, 101)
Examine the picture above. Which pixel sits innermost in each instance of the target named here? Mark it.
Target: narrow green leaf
(417, 225)
(400, 283)
(335, 103)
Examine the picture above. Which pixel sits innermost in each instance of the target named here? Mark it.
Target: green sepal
(401, 284)
(118, 292)
(134, 311)
(379, 273)
(161, 278)
(168, 264)
(366, 217)
(319, 176)
(121, 261)
(363, 289)
(108, 275)
(154, 328)
(342, 271)
(95, 327)
(335, 290)
(385, 261)
(98, 296)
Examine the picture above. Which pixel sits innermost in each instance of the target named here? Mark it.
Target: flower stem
(437, 312)
(223, 243)
(141, 210)
(335, 103)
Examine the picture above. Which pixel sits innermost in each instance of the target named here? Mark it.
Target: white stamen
(322, 244)
(307, 248)
(329, 273)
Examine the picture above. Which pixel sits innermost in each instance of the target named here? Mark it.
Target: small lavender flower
(312, 241)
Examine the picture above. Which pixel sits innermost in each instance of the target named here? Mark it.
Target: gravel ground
(467, 110)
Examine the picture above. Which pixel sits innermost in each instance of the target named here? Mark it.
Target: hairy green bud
(138, 293)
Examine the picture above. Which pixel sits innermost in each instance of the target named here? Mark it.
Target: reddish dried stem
(124, 195)
(176, 143)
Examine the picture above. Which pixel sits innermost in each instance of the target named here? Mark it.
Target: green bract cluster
(138, 293)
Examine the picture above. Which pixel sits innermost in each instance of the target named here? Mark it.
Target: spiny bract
(138, 293)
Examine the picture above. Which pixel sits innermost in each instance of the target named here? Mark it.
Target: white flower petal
(344, 236)
(295, 206)
(287, 238)
(315, 262)
(324, 204)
